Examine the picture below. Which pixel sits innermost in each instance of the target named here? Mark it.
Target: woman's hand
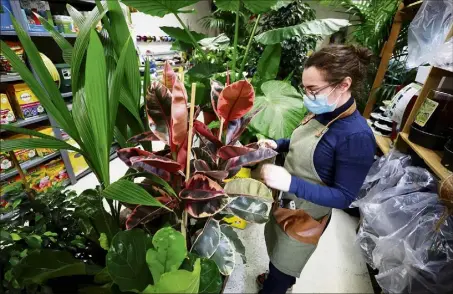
(276, 177)
(266, 143)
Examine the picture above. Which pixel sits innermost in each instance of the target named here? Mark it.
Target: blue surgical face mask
(321, 103)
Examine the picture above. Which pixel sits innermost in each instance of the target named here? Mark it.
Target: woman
(328, 158)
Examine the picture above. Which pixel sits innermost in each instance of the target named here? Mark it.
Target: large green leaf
(261, 6)
(207, 242)
(76, 16)
(10, 145)
(250, 209)
(180, 281)
(181, 35)
(283, 110)
(227, 5)
(159, 7)
(231, 234)
(220, 42)
(269, 64)
(126, 191)
(326, 26)
(249, 188)
(97, 102)
(211, 281)
(168, 253)
(61, 41)
(225, 256)
(126, 260)
(39, 266)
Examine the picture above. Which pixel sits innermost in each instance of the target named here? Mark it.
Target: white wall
(144, 24)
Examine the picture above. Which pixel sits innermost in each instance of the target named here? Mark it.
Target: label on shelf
(426, 111)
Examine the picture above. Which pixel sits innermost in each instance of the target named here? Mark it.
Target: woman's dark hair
(340, 61)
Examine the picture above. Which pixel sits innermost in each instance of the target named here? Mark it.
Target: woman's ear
(345, 85)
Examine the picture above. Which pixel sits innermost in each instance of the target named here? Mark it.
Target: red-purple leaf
(202, 209)
(201, 188)
(126, 153)
(168, 76)
(227, 152)
(142, 167)
(238, 126)
(179, 114)
(216, 89)
(202, 130)
(202, 154)
(146, 136)
(181, 157)
(250, 158)
(157, 161)
(143, 214)
(202, 167)
(158, 108)
(235, 100)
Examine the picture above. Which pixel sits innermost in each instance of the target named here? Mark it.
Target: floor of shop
(336, 266)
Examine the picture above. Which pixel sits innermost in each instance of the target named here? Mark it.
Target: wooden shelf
(432, 158)
(384, 143)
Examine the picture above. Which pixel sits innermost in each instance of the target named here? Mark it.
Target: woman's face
(314, 84)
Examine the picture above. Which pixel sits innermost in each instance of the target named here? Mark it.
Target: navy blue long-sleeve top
(342, 160)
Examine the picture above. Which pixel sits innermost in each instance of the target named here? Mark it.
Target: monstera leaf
(160, 7)
(235, 100)
(158, 107)
(324, 27)
(252, 200)
(283, 110)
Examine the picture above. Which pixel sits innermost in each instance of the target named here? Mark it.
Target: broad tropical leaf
(187, 282)
(200, 188)
(156, 161)
(235, 100)
(126, 260)
(126, 154)
(220, 42)
(126, 191)
(76, 16)
(250, 209)
(324, 27)
(250, 158)
(228, 5)
(179, 113)
(269, 64)
(225, 256)
(249, 188)
(18, 144)
(258, 7)
(235, 240)
(228, 152)
(202, 130)
(207, 208)
(159, 7)
(238, 126)
(211, 281)
(143, 214)
(168, 253)
(181, 35)
(158, 108)
(202, 154)
(208, 240)
(201, 167)
(283, 110)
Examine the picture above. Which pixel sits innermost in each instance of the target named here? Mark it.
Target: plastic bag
(427, 33)
(400, 211)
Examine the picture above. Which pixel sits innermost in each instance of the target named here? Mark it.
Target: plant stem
(235, 48)
(249, 43)
(195, 43)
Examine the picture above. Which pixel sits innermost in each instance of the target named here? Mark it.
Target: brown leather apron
(292, 234)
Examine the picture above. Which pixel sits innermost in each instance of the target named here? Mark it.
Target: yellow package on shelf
(46, 131)
(23, 154)
(26, 104)
(77, 160)
(56, 171)
(38, 178)
(6, 110)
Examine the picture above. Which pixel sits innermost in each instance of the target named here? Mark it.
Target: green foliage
(135, 194)
(211, 281)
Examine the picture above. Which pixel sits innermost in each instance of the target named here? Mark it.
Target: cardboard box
(6, 163)
(5, 20)
(29, 8)
(23, 155)
(56, 171)
(24, 101)
(38, 179)
(45, 151)
(5, 65)
(6, 110)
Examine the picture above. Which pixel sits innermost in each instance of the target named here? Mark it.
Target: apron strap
(346, 113)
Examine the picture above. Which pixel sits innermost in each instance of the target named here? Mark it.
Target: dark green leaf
(207, 242)
(326, 27)
(250, 209)
(129, 192)
(126, 260)
(231, 234)
(269, 64)
(61, 41)
(211, 281)
(168, 253)
(181, 35)
(227, 5)
(261, 6)
(224, 256)
(18, 144)
(159, 7)
(103, 276)
(220, 42)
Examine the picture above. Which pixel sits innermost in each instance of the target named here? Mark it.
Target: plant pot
(447, 160)
(427, 140)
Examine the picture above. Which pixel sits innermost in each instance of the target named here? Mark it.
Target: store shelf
(29, 164)
(28, 121)
(432, 158)
(10, 78)
(47, 34)
(384, 143)
(64, 95)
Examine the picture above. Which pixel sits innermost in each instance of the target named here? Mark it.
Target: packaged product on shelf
(23, 155)
(5, 20)
(10, 185)
(64, 24)
(25, 103)
(46, 131)
(5, 162)
(64, 70)
(29, 8)
(5, 65)
(38, 178)
(56, 171)
(77, 160)
(6, 110)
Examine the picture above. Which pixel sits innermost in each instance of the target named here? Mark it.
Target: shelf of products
(47, 34)
(28, 121)
(29, 164)
(432, 158)
(384, 143)
(10, 78)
